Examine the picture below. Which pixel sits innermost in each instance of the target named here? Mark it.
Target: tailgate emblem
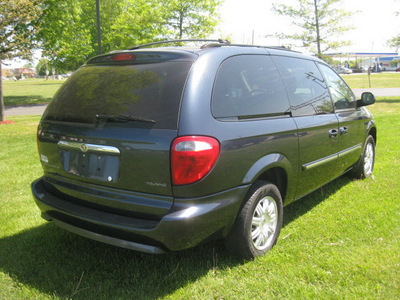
(84, 148)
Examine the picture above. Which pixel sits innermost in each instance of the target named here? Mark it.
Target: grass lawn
(378, 80)
(340, 242)
(29, 91)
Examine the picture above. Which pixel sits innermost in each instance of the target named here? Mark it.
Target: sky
(375, 23)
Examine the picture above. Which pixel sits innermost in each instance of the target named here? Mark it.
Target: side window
(306, 88)
(342, 96)
(248, 86)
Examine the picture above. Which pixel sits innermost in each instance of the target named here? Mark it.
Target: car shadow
(386, 100)
(307, 203)
(25, 100)
(61, 264)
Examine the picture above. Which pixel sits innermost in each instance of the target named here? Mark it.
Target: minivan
(162, 148)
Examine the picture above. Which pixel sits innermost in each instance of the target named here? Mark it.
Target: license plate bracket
(91, 165)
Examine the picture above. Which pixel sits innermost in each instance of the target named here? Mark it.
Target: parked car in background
(343, 70)
(357, 70)
(160, 149)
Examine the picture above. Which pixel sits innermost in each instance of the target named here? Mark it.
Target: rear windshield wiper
(123, 118)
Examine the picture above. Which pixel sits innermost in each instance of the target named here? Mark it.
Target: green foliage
(191, 18)
(68, 32)
(64, 33)
(320, 23)
(28, 65)
(17, 30)
(395, 62)
(17, 27)
(42, 66)
(137, 22)
(395, 42)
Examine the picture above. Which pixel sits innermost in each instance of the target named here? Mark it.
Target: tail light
(192, 158)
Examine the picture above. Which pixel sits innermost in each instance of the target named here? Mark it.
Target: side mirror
(367, 98)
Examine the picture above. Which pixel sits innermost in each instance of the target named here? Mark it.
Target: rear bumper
(188, 223)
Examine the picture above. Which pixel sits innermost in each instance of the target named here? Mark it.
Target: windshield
(147, 91)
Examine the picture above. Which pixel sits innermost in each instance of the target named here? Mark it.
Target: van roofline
(213, 43)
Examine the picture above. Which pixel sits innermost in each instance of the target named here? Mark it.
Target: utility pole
(98, 25)
(1, 94)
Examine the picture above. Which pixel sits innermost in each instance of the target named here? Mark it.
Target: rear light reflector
(192, 158)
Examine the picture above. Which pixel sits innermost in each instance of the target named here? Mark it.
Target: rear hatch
(112, 123)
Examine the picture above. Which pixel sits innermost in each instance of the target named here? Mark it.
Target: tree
(17, 30)
(68, 28)
(64, 33)
(395, 41)
(28, 65)
(191, 18)
(42, 66)
(320, 21)
(138, 22)
(68, 31)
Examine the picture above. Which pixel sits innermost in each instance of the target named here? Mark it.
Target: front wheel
(365, 166)
(259, 222)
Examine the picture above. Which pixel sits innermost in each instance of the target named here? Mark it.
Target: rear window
(149, 91)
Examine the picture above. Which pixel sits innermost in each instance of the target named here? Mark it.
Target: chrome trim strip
(332, 157)
(350, 150)
(88, 147)
(319, 162)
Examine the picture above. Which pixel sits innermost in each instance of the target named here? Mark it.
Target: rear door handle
(333, 133)
(343, 130)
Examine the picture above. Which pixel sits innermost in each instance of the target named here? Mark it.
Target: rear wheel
(365, 166)
(259, 222)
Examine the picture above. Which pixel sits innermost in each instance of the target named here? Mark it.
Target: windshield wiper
(123, 118)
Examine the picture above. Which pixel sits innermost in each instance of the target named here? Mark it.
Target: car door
(317, 124)
(351, 122)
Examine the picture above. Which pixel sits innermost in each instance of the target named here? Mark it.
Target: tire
(365, 165)
(259, 222)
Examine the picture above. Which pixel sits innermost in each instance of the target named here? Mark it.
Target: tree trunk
(181, 15)
(1, 94)
(317, 29)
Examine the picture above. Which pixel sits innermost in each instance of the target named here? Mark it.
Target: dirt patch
(6, 122)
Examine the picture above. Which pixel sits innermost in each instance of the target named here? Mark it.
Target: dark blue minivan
(160, 149)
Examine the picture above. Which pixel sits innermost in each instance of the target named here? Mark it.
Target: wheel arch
(372, 132)
(276, 169)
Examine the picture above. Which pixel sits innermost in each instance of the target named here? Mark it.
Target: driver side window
(342, 96)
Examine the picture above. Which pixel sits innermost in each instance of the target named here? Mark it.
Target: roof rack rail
(220, 41)
(266, 47)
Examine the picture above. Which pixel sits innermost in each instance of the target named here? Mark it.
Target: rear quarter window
(248, 86)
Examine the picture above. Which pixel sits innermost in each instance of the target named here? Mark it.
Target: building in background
(18, 73)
